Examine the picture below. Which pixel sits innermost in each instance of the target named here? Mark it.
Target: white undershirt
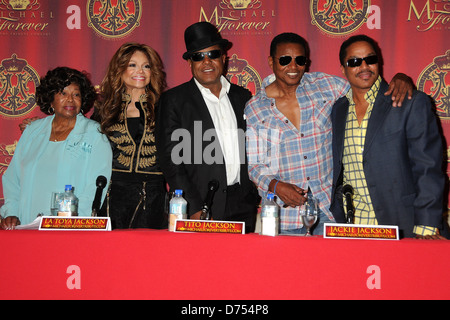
(225, 124)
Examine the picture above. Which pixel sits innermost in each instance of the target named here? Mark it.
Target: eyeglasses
(199, 56)
(285, 60)
(356, 62)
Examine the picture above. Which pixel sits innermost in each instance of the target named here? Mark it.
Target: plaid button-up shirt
(276, 149)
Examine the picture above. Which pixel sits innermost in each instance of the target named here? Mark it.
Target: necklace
(61, 136)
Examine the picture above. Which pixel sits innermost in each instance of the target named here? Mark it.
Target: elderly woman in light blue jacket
(63, 148)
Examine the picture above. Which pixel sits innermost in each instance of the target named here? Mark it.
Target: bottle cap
(68, 187)
(178, 192)
(270, 196)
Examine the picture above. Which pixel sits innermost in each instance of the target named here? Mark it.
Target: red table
(157, 264)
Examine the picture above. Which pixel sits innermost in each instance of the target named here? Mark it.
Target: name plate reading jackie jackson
(209, 226)
(358, 231)
(75, 223)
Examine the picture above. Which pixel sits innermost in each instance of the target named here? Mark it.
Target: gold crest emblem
(339, 17)
(6, 154)
(18, 82)
(114, 18)
(242, 74)
(435, 81)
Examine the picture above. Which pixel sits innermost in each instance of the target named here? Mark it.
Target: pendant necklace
(56, 137)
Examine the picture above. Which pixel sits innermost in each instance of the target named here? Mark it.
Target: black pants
(136, 204)
(241, 206)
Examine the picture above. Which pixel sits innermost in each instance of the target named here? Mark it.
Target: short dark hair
(361, 37)
(288, 37)
(56, 80)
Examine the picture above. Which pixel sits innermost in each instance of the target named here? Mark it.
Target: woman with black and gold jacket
(130, 90)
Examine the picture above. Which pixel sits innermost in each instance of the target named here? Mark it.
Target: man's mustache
(365, 71)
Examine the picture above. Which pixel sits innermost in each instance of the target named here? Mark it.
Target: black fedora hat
(202, 35)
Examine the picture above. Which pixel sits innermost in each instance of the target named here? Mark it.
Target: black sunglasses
(285, 60)
(356, 62)
(199, 56)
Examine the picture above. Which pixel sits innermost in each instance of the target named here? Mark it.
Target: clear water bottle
(177, 209)
(68, 204)
(270, 220)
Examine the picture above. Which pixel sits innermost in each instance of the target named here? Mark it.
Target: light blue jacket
(86, 154)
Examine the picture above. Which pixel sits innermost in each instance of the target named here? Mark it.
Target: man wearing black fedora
(200, 132)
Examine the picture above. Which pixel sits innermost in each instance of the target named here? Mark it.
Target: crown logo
(236, 65)
(443, 62)
(14, 64)
(19, 5)
(240, 4)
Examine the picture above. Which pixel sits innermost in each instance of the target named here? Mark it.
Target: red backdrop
(38, 35)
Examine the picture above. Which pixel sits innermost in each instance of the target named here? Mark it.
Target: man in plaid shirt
(289, 136)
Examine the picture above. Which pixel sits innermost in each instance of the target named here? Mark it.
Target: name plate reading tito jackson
(75, 223)
(359, 231)
(209, 226)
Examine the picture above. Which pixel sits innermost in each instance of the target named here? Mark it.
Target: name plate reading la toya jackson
(358, 231)
(209, 226)
(75, 223)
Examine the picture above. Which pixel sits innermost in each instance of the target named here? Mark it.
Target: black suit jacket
(183, 108)
(402, 162)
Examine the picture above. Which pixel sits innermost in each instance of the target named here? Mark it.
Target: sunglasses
(199, 56)
(285, 60)
(356, 62)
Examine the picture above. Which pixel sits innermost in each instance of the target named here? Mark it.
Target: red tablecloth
(157, 264)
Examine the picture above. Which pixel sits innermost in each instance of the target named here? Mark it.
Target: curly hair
(109, 108)
(56, 80)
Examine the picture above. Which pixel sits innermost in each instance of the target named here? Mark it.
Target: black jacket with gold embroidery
(131, 156)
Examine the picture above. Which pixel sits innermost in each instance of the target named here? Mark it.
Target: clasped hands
(9, 223)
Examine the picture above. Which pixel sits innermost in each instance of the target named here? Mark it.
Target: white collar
(225, 85)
